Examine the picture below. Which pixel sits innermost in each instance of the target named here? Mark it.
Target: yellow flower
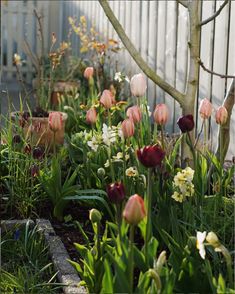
(179, 179)
(178, 197)
(17, 59)
(188, 173)
(132, 172)
(213, 240)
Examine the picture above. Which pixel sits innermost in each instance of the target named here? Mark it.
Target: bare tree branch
(183, 2)
(178, 96)
(214, 73)
(202, 23)
(224, 130)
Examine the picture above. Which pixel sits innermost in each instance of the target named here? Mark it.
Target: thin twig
(215, 73)
(183, 2)
(202, 23)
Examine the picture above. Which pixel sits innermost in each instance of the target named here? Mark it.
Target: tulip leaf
(107, 282)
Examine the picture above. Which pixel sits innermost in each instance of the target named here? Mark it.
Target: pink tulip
(205, 108)
(134, 113)
(128, 128)
(134, 210)
(161, 114)
(138, 85)
(55, 121)
(107, 99)
(88, 73)
(221, 115)
(91, 116)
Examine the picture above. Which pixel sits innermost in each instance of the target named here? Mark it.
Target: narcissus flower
(128, 128)
(91, 116)
(138, 85)
(134, 210)
(151, 156)
(55, 121)
(200, 244)
(161, 114)
(134, 113)
(116, 192)
(107, 99)
(88, 73)
(186, 123)
(221, 115)
(205, 108)
(213, 240)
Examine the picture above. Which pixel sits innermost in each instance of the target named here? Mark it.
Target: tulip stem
(148, 232)
(205, 136)
(98, 241)
(124, 161)
(111, 165)
(131, 255)
(54, 145)
(162, 137)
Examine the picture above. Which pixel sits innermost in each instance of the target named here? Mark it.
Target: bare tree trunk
(224, 130)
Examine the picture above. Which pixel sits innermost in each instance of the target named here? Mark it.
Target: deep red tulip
(34, 171)
(128, 128)
(205, 108)
(221, 115)
(116, 192)
(186, 123)
(134, 210)
(151, 156)
(38, 153)
(55, 121)
(16, 139)
(134, 113)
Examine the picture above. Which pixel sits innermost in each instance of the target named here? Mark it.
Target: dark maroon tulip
(34, 170)
(17, 139)
(151, 156)
(186, 123)
(116, 192)
(38, 153)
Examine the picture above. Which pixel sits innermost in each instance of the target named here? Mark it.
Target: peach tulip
(128, 128)
(138, 85)
(55, 120)
(134, 113)
(88, 73)
(205, 108)
(161, 114)
(221, 115)
(134, 210)
(91, 116)
(107, 99)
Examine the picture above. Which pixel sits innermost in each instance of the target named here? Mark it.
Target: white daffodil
(200, 243)
(93, 144)
(118, 77)
(188, 173)
(178, 197)
(109, 135)
(106, 164)
(131, 172)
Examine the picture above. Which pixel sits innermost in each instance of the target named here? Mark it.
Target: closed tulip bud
(134, 210)
(95, 216)
(116, 192)
(186, 123)
(101, 172)
(88, 73)
(91, 116)
(205, 108)
(160, 261)
(55, 121)
(134, 113)
(107, 99)
(161, 114)
(212, 239)
(151, 156)
(38, 153)
(138, 85)
(128, 128)
(221, 115)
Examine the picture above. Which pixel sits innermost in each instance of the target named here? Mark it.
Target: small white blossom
(131, 172)
(200, 243)
(93, 144)
(178, 197)
(106, 164)
(118, 77)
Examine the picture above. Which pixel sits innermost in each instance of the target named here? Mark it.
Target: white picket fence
(159, 30)
(18, 23)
